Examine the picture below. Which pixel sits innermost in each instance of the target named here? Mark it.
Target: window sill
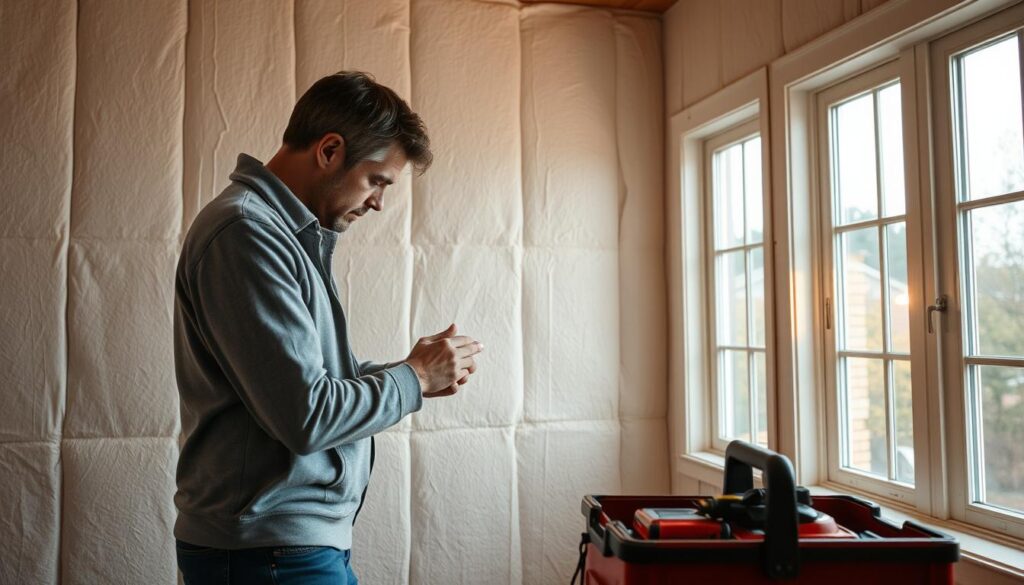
(707, 467)
(992, 554)
(1004, 556)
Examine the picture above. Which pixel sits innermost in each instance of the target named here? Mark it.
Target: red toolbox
(858, 548)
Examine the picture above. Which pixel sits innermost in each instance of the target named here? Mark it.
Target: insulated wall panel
(701, 34)
(465, 527)
(128, 116)
(336, 35)
(120, 335)
(478, 289)
(32, 346)
(570, 161)
(752, 36)
(29, 512)
(571, 334)
(645, 458)
(640, 127)
(239, 90)
(473, 192)
(381, 533)
(331, 36)
(375, 287)
(118, 514)
(37, 96)
(558, 464)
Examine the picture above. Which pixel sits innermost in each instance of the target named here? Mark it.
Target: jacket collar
(252, 173)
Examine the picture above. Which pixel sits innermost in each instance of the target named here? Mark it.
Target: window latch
(940, 306)
(828, 313)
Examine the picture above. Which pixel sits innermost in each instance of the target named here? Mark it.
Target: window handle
(940, 306)
(828, 313)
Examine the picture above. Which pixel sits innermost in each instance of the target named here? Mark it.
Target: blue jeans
(282, 565)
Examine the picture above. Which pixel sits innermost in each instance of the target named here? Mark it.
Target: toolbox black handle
(595, 532)
(781, 533)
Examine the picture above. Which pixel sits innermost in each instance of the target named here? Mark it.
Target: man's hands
(443, 362)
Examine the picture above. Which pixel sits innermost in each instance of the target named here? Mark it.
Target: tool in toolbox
(749, 535)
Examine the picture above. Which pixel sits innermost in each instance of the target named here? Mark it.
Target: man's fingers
(449, 332)
(464, 364)
(446, 392)
(470, 348)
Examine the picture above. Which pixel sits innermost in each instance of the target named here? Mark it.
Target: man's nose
(374, 203)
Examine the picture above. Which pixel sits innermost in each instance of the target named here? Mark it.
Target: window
(721, 371)
(866, 284)
(891, 355)
(981, 207)
(735, 245)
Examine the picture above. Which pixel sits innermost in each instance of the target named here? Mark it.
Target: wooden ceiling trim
(645, 5)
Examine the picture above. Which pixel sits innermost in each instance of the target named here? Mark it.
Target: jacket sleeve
(248, 301)
(368, 368)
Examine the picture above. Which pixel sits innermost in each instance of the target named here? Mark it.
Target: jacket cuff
(409, 391)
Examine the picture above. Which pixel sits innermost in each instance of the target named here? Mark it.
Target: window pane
(903, 421)
(1002, 426)
(854, 167)
(761, 396)
(997, 261)
(864, 404)
(992, 119)
(731, 299)
(754, 197)
(757, 296)
(890, 141)
(899, 297)
(728, 197)
(733, 388)
(861, 290)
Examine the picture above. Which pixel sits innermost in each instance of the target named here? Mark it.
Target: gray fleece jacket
(277, 414)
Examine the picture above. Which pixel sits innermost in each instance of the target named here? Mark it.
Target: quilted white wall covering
(120, 380)
(38, 84)
(557, 464)
(37, 91)
(385, 523)
(117, 512)
(538, 230)
(30, 512)
(465, 527)
(32, 347)
(474, 193)
(128, 115)
(239, 90)
(571, 334)
(570, 161)
(479, 289)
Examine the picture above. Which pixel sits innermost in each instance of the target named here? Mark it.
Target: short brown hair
(368, 115)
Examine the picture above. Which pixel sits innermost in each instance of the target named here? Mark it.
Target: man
(278, 415)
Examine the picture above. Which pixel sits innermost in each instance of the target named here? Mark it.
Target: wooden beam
(658, 6)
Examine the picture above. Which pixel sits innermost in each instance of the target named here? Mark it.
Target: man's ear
(330, 151)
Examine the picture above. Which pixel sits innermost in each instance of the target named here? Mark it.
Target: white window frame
(947, 211)
(735, 135)
(882, 34)
(696, 457)
(900, 69)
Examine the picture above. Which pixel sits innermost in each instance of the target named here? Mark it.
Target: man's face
(347, 195)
